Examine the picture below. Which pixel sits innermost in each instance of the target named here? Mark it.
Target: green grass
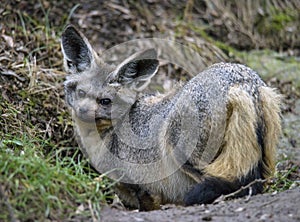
(38, 186)
(284, 179)
(43, 176)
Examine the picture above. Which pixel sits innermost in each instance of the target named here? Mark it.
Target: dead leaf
(9, 40)
(79, 209)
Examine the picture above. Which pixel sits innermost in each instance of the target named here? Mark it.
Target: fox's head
(97, 91)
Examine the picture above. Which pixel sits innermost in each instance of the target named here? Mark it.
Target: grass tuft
(39, 187)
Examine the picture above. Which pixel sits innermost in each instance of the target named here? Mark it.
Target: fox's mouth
(103, 124)
(101, 120)
(90, 117)
(94, 120)
(87, 119)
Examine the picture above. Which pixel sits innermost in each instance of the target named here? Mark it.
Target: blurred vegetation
(43, 175)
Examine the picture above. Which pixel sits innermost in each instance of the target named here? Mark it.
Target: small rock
(275, 192)
(138, 219)
(240, 209)
(207, 218)
(264, 216)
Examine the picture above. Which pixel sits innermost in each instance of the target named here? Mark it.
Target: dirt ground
(282, 206)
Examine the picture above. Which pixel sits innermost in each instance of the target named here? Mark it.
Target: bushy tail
(249, 148)
(270, 105)
(240, 151)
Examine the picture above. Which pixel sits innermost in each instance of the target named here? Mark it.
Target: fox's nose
(83, 110)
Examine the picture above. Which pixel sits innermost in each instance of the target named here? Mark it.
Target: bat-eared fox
(209, 137)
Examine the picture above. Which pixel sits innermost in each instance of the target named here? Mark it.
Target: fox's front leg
(134, 196)
(148, 201)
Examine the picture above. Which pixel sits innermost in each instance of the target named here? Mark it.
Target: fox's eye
(104, 102)
(81, 93)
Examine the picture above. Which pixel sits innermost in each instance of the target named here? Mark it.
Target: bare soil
(282, 206)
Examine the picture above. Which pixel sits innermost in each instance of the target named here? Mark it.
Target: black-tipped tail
(213, 187)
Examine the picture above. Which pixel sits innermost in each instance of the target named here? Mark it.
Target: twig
(119, 8)
(249, 195)
(270, 202)
(11, 73)
(9, 207)
(224, 197)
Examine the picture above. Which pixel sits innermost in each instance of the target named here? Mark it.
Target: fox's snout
(86, 110)
(86, 114)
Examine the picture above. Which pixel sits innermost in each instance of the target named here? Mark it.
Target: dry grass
(256, 24)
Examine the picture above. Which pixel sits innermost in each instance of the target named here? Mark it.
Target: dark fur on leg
(148, 201)
(213, 187)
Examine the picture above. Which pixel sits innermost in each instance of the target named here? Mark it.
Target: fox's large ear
(78, 53)
(137, 70)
